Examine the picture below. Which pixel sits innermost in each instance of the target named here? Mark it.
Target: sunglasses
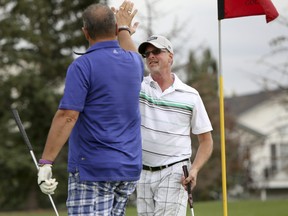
(154, 52)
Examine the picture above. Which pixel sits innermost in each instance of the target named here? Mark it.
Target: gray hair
(99, 20)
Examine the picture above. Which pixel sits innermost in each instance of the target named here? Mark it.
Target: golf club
(26, 140)
(189, 190)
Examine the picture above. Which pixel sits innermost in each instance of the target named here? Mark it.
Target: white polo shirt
(167, 119)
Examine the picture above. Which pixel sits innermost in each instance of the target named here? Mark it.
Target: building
(262, 130)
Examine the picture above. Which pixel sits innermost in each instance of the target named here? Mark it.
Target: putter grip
(21, 128)
(189, 191)
(185, 170)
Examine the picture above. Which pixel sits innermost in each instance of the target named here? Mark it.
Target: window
(284, 155)
(273, 158)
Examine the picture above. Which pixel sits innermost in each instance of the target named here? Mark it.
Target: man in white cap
(170, 110)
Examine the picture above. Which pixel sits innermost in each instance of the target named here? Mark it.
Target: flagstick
(222, 125)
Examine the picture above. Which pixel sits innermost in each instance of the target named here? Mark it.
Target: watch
(124, 27)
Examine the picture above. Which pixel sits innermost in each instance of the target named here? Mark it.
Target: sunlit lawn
(237, 208)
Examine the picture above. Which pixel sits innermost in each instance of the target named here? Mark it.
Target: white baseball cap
(157, 41)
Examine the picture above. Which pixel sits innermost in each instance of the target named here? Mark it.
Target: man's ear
(85, 32)
(171, 55)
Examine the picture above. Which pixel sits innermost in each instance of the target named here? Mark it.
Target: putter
(26, 140)
(189, 191)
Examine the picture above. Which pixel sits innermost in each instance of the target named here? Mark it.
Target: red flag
(240, 8)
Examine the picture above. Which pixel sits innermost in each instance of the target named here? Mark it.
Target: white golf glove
(45, 181)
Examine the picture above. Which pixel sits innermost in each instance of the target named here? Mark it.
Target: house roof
(239, 104)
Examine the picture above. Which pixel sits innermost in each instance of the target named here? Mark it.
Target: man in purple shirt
(99, 113)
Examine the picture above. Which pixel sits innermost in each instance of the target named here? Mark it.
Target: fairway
(241, 208)
(235, 208)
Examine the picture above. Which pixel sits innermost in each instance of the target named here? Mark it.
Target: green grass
(240, 208)
(237, 208)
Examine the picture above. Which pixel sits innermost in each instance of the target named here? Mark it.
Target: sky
(244, 41)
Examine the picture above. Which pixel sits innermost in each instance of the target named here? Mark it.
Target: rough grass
(235, 208)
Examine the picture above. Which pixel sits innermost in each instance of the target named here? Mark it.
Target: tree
(276, 62)
(202, 75)
(37, 42)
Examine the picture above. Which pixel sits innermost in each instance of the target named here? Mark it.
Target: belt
(152, 169)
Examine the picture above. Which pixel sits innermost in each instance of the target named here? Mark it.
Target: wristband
(43, 161)
(126, 28)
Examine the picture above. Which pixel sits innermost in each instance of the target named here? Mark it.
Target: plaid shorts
(160, 193)
(97, 198)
